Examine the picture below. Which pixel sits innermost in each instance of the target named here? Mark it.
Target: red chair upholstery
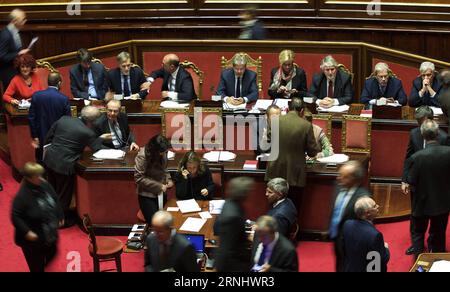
(323, 121)
(208, 128)
(197, 77)
(356, 134)
(218, 179)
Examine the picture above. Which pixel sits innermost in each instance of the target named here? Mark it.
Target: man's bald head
(171, 63)
(54, 79)
(18, 18)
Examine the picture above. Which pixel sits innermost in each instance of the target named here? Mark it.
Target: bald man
(177, 82)
(11, 45)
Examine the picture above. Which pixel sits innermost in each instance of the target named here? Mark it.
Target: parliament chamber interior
(225, 136)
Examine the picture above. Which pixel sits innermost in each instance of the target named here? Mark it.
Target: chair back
(197, 75)
(87, 224)
(176, 124)
(208, 128)
(345, 70)
(323, 121)
(356, 134)
(43, 69)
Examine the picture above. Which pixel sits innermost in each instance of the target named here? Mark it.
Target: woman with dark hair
(151, 176)
(193, 180)
(25, 83)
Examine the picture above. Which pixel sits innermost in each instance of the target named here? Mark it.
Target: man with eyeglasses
(426, 87)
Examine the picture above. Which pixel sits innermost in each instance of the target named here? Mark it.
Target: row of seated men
(238, 85)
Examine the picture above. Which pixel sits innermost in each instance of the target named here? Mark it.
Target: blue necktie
(238, 88)
(262, 257)
(126, 87)
(336, 217)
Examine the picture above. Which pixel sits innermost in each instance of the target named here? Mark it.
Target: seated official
(238, 84)
(426, 88)
(126, 80)
(362, 238)
(282, 209)
(332, 86)
(116, 123)
(193, 180)
(321, 138)
(166, 250)
(272, 251)
(177, 82)
(25, 83)
(273, 112)
(287, 80)
(88, 79)
(382, 87)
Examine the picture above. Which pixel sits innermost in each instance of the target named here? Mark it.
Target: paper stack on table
(263, 104)
(113, 154)
(216, 156)
(437, 111)
(193, 224)
(230, 107)
(188, 206)
(24, 104)
(440, 266)
(336, 158)
(335, 109)
(173, 104)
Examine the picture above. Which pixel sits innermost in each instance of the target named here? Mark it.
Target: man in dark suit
(116, 123)
(177, 82)
(426, 88)
(11, 46)
(382, 88)
(127, 80)
(361, 238)
(167, 250)
(47, 107)
(332, 86)
(348, 191)
(232, 255)
(417, 143)
(238, 84)
(444, 97)
(252, 27)
(88, 79)
(272, 251)
(427, 174)
(68, 138)
(281, 207)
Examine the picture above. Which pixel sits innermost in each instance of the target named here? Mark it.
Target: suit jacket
(257, 31)
(184, 84)
(100, 81)
(284, 255)
(428, 175)
(360, 238)
(182, 256)
(227, 85)
(286, 215)
(415, 144)
(296, 137)
(230, 227)
(137, 78)
(444, 101)
(8, 52)
(68, 137)
(415, 100)
(343, 89)
(298, 82)
(47, 107)
(394, 88)
(101, 126)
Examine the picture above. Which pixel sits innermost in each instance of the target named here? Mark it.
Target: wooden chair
(170, 123)
(356, 134)
(390, 74)
(345, 70)
(252, 64)
(198, 76)
(103, 249)
(43, 69)
(324, 121)
(208, 120)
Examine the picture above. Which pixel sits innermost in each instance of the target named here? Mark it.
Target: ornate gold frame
(46, 65)
(225, 63)
(200, 74)
(328, 119)
(188, 130)
(346, 118)
(73, 111)
(219, 112)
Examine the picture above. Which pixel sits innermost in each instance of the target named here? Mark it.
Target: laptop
(198, 241)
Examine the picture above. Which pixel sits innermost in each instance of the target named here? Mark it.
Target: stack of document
(216, 156)
(24, 104)
(336, 158)
(188, 206)
(109, 154)
(216, 206)
(437, 111)
(193, 224)
(174, 104)
(335, 109)
(230, 107)
(263, 104)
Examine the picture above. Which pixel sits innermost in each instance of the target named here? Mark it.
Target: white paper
(135, 235)
(173, 104)
(118, 96)
(24, 104)
(440, 266)
(109, 154)
(216, 98)
(335, 109)
(205, 215)
(193, 224)
(394, 104)
(282, 103)
(263, 104)
(188, 206)
(216, 156)
(227, 106)
(216, 206)
(173, 209)
(33, 41)
(170, 155)
(336, 158)
(381, 102)
(308, 99)
(437, 111)
(138, 228)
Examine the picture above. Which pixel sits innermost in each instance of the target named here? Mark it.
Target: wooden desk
(427, 259)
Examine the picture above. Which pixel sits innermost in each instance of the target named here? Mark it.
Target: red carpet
(314, 256)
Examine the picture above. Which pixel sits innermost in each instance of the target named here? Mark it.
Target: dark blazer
(444, 100)
(394, 89)
(227, 84)
(295, 136)
(47, 106)
(182, 256)
(184, 84)
(427, 173)
(101, 126)
(258, 32)
(100, 81)
(343, 88)
(298, 82)
(284, 255)
(286, 215)
(415, 100)
(230, 227)
(190, 188)
(416, 144)
(68, 137)
(137, 78)
(360, 238)
(8, 52)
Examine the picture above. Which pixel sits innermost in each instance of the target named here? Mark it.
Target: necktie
(262, 257)
(330, 89)
(126, 87)
(85, 80)
(117, 134)
(238, 88)
(164, 257)
(336, 217)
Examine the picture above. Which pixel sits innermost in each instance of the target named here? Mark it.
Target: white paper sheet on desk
(188, 206)
(440, 266)
(336, 158)
(437, 111)
(109, 154)
(335, 109)
(216, 156)
(205, 215)
(216, 206)
(173, 209)
(282, 103)
(173, 104)
(193, 224)
(394, 104)
(263, 104)
(170, 155)
(227, 106)
(24, 104)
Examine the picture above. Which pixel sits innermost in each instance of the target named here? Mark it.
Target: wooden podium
(387, 112)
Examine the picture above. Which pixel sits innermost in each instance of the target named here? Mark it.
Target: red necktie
(330, 89)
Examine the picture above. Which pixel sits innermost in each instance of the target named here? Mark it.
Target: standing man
(47, 107)
(348, 191)
(252, 27)
(428, 176)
